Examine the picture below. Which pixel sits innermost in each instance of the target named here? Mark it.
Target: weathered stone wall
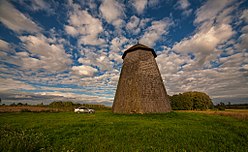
(140, 88)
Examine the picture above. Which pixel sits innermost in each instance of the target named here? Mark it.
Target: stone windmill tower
(140, 88)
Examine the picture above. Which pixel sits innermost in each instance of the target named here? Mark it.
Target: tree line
(70, 105)
(64, 105)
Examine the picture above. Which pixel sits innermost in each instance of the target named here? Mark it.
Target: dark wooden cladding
(140, 88)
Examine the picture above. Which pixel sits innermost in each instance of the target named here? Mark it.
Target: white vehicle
(84, 110)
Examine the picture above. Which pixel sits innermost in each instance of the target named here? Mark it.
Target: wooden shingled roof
(139, 47)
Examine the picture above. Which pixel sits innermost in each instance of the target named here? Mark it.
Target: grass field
(104, 131)
(241, 114)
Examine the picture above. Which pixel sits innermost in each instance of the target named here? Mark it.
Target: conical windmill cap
(139, 47)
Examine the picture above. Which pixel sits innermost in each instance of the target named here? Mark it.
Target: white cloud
(205, 41)
(169, 63)
(243, 41)
(99, 60)
(50, 55)
(15, 20)
(4, 45)
(155, 31)
(133, 25)
(184, 6)
(77, 97)
(87, 27)
(90, 40)
(11, 84)
(117, 43)
(244, 29)
(244, 15)
(140, 5)
(112, 11)
(84, 70)
(211, 9)
(116, 57)
(143, 22)
(212, 81)
(243, 38)
(213, 29)
(71, 30)
(232, 61)
(153, 3)
(39, 5)
(213, 34)
(133, 22)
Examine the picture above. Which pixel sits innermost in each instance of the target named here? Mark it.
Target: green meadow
(104, 131)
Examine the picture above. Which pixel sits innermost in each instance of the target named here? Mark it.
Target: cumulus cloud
(183, 4)
(155, 31)
(84, 70)
(71, 30)
(213, 58)
(204, 42)
(213, 81)
(211, 9)
(213, 30)
(99, 60)
(15, 20)
(112, 11)
(170, 63)
(117, 43)
(198, 64)
(140, 5)
(45, 53)
(84, 26)
(133, 25)
(116, 57)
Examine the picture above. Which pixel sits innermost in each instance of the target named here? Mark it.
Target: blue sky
(71, 50)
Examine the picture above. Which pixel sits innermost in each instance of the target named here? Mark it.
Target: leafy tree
(40, 104)
(191, 100)
(221, 106)
(180, 102)
(13, 104)
(19, 104)
(201, 101)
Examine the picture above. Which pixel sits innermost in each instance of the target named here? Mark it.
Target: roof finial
(138, 42)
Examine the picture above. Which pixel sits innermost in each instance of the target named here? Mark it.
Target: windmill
(140, 88)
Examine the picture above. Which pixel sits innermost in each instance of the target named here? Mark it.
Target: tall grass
(104, 131)
(241, 114)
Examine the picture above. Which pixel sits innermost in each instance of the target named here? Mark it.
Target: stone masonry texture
(140, 88)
